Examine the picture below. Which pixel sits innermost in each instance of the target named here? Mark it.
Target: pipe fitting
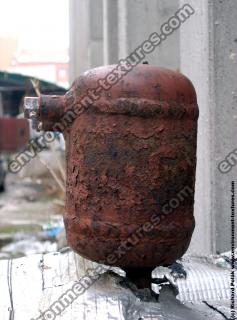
(44, 111)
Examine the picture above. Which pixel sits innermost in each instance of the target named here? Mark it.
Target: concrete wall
(208, 57)
(110, 27)
(103, 31)
(86, 36)
(79, 37)
(138, 19)
(204, 48)
(96, 56)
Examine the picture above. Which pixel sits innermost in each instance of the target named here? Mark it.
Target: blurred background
(34, 40)
(45, 45)
(34, 46)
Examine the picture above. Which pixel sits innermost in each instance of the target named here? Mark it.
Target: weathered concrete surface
(209, 59)
(110, 19)
(79, 37)
(45, 279)
(137, 19)
(101, 32)
(86, 36)
(96, 33)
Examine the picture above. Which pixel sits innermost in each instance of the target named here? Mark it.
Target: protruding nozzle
(31, 110)
(45, 112)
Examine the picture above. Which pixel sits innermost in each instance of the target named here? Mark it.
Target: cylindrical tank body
(131, 159)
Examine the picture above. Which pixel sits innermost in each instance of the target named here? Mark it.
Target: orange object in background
(14, 134)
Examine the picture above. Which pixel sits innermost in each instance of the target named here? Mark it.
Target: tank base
(141, 277)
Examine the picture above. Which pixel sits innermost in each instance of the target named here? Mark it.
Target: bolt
(40, 126)
(31, 106)
(32, 114)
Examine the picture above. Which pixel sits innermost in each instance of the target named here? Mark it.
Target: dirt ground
(30, 216)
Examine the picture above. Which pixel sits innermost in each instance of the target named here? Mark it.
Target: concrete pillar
(96, 33)
(86, 35)
(124, 25)
(208, 43)
(79, 37)
(110, 14)
(137, 19)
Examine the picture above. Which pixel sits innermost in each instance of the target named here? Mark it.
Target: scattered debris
(177, 271)
(25, 228)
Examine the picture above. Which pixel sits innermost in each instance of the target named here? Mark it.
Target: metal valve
(31, 110)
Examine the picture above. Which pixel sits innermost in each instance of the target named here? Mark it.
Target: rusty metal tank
(131, 159)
